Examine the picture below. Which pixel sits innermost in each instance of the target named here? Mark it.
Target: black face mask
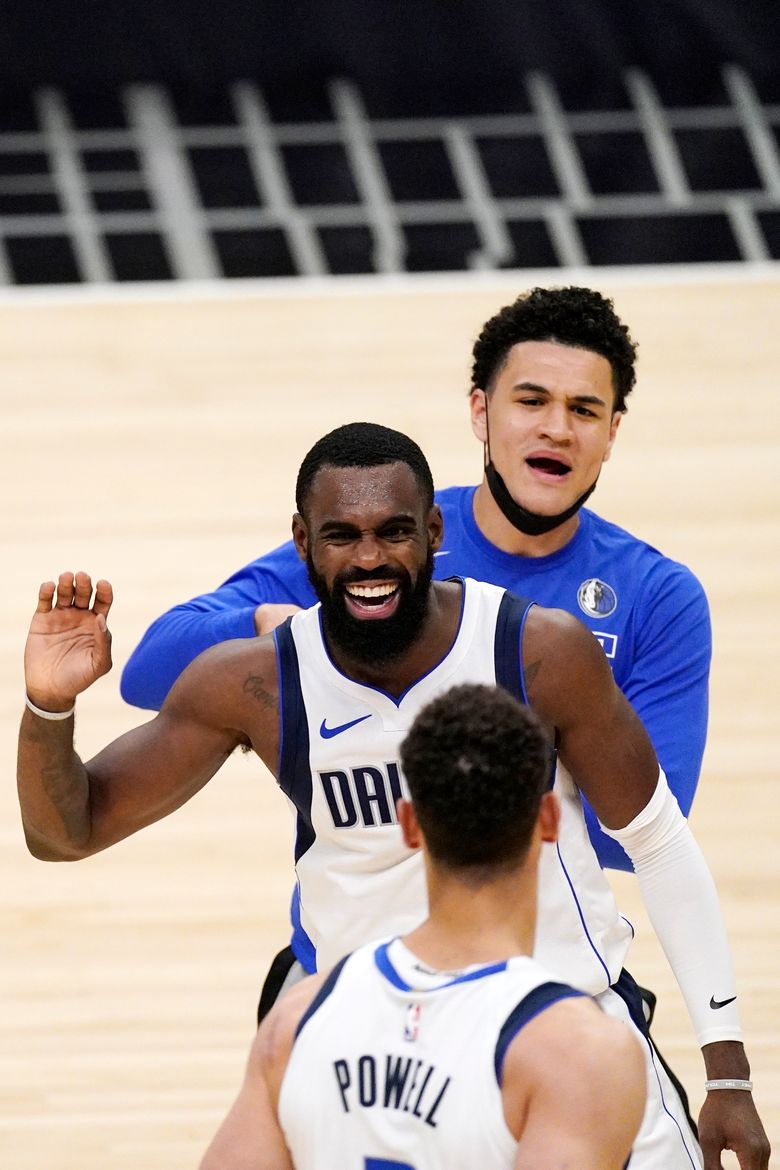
(530, 523)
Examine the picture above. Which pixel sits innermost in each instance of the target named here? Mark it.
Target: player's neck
(468, 925)
(495, 527)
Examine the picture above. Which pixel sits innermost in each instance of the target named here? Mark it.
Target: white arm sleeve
(682, 903)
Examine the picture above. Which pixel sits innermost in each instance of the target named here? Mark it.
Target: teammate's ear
(549, 817)
(435, 527)
(300, 535)
(613, 430)
(407, 819)
(478, 408)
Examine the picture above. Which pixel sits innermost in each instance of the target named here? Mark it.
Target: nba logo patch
(596, 598)
(412, 1025)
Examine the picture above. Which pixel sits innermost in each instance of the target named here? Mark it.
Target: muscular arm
(231, 611)
(573, 1090)
(71, 809)
(601, 740)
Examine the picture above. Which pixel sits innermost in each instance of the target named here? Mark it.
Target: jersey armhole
(532, 1005)
(321, 996)
(508, 647)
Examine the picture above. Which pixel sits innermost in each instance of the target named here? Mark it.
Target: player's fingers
(65, 590)
(45, 595)
(104, 596)
(102, 651)
(82, 590)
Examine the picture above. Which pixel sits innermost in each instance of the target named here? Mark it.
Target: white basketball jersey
(339, 764)
(407, 1063)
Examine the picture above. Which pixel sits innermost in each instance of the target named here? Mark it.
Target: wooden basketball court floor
(153, 438)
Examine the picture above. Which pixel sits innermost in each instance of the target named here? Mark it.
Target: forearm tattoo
(62, 774)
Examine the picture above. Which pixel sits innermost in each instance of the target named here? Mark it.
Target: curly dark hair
(477, 762)
(574, 316)
(363, 444)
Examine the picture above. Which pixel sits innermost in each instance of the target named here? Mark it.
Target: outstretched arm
(71, 809)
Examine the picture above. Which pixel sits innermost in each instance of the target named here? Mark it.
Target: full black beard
(380, 641)
(531, 523)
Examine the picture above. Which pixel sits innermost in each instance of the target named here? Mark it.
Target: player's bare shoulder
(273, 1044)
(233, 684)
(607, 1079)
(560, 655)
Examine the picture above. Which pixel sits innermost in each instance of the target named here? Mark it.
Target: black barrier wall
(407, 56)
(193, 140)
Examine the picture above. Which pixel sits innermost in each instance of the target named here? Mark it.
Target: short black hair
(574, 316)
(477, 762)
(363, 444)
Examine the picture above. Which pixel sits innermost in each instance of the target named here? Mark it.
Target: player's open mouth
(372, 601)
(548, 466)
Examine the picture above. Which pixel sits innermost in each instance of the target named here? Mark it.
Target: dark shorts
(641, 1003)
(274, 980)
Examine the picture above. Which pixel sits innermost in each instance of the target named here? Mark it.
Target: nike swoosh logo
(329, 732)
(443, 552)
(719, 1003)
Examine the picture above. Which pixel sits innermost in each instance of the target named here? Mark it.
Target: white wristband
(729, 1083)
(54, 715)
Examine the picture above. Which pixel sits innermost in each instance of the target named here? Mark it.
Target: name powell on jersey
(363, 796)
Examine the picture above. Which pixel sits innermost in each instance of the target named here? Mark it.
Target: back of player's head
(574, 316)
(477, 763)
(363, 444)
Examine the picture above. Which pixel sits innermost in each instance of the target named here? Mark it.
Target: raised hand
(69, 645)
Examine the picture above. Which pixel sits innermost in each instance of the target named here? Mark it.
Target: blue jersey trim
(302, 946)
(280, 691)
(508, 645)
(513, 613)
(530, 1006)
(385, 966)
(294, 773)
(321, 996)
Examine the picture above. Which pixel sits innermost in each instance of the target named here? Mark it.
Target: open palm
(69, 645)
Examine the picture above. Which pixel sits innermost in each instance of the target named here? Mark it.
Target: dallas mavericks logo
(596, 598)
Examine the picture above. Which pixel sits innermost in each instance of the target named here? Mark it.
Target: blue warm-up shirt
(649, 613)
